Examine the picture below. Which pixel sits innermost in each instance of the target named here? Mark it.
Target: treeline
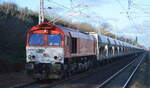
(14, 23)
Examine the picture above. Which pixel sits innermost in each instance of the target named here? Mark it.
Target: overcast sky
(101, 11)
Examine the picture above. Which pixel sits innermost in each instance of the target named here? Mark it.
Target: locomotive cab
(54, 52)
(44, 49)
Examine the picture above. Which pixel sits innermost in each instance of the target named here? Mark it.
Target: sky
(96, 12)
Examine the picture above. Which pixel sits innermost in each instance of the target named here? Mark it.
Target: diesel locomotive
(54, 51)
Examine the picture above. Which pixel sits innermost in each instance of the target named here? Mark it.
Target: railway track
(129, 70)
(83, 76)
(45, 83)
(134, 71)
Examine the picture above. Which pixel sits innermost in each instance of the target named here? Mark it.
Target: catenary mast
(41, 12)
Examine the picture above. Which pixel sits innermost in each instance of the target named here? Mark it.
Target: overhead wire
(77, 7)
(69, 9)
(128, 15)
(140, 8)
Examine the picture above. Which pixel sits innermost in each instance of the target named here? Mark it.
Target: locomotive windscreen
(54, 39)
(36, 39)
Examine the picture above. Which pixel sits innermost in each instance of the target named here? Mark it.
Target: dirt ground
(11, 79)
(142, 77)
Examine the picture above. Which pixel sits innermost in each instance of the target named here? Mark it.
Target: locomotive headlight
(58, 58)
(55, 57)
(31, 57)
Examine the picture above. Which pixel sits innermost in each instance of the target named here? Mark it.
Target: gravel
(11, 79)
(142, 78)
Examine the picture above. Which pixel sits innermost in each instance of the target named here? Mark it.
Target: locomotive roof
(75, 33)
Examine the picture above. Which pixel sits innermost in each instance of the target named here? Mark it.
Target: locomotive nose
(31, 57)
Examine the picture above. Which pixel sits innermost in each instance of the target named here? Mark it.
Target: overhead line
(128, 16)
(68, 7)
(121, 5)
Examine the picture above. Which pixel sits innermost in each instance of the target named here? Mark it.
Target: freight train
(54, 51)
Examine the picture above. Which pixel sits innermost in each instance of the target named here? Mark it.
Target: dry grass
(137, 85)
(141, 79)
